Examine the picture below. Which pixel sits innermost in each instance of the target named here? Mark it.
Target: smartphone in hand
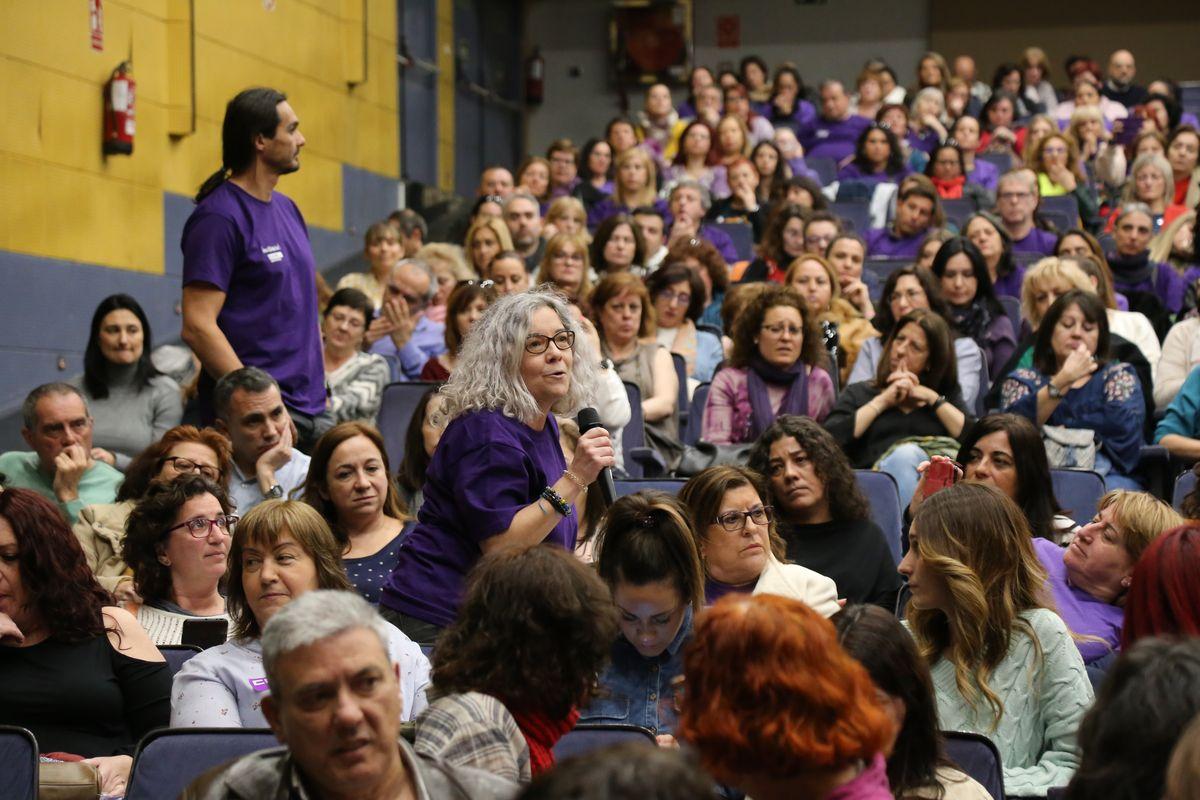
(940, 474)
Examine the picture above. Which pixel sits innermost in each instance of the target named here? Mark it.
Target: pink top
(870, 784)
(727, 413)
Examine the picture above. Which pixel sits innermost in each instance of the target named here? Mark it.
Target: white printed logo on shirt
(273, 252)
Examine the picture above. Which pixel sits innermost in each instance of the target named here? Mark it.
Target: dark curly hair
(664, 277)
(54, 572)
(147, 464)
(895, 161)
(705, 253)
(846, 500)
(771, 247)
(146, 530)
(747, 326)
(535, 628)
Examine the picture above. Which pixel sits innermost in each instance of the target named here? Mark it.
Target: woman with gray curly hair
(498, 476)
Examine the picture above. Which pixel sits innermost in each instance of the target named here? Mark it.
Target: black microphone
(588, 419)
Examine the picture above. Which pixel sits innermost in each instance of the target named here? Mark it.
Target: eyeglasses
(536, 343)
(1013, 197)
(735, 521)
(780, 329)
(575, 257)
(671, 297)
(564, 161)
(186, 465)
(199, 527)
(910, 295)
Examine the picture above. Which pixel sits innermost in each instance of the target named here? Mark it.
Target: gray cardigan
(133, 417)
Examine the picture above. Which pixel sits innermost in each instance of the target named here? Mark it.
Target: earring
(166, 562)
(1126, 582)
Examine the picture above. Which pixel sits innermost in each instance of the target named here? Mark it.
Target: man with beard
(249, 276)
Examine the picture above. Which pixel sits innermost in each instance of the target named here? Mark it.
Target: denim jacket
(636, 690)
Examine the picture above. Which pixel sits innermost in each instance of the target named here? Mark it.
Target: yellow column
(445, 62)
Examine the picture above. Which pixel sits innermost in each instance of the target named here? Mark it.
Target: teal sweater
(1042, 706)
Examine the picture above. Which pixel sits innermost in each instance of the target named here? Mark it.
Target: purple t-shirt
(259, 255)
(882, 242)
(486, 468)
(985, 174)
(1010, 285)
(1082, 612)
(1036, 241)
(853, 172)
(836, 140)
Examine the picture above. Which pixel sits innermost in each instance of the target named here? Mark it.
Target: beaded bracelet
(555, 499)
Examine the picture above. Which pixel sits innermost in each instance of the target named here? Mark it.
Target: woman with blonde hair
(1151, 182)
(842, 325)
(1038, 92)
(565, 215)
(1003, 663)
(487, 237)
(534, 176)
(1175, 243)
(449, 267)
(1055, 159)
(382, 249)
(566, 266)
(634, 185)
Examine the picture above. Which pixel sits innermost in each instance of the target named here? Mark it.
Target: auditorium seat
(958, 210)
(978, 757)
(886, 508)
(691, 434)
(826, 169)
(1012, 309)
(681, 375)
(1063, 211)
(177, 654)
(1185, 484)
(1078, 491)
(18, 764)
(588, 736)
(400, 399)
(632, 486)
(168, 759)
(854, 216)
(741, 234)
(640, 461)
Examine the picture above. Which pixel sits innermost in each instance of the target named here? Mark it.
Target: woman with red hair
(774, 730)
(1164, 599)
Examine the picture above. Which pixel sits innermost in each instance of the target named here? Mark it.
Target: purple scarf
(794, 402)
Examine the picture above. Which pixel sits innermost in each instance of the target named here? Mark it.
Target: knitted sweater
(1043, 706)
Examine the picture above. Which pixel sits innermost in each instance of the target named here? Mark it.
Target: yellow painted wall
(60, 198)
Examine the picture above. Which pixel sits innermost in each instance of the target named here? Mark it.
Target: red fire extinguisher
(535, 78)
(119, 110)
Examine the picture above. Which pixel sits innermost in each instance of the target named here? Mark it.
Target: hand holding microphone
(594, 455)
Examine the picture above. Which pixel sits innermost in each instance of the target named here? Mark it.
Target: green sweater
(98, 485)
(1042, 707)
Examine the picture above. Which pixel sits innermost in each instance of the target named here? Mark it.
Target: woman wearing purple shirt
(1132, 269)
(498, 476)
(989, 236)
(878, 158)
(1090, 578)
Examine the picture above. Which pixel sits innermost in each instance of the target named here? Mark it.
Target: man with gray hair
(409, 338)
(250, 411)
(58, 428)
(689, 203)
(335, 706)
(1016, 203)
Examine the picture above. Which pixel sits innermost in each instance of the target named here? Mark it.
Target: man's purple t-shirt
(1082, 612)
(259, 255)
(486, 468)
(836, 140)
(882, 242)
(1036, 241)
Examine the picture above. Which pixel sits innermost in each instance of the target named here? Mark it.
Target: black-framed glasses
(735, 521)
(186, 465)
(536, 343)
(198, 527)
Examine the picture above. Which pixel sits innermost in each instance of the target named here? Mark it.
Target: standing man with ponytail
(249, 276)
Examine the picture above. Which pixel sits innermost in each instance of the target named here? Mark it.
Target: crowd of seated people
(999, 277)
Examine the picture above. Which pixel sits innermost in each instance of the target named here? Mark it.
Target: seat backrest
(855, 216)
(882, 267)
(1012, 309)
(177, 654)
(1003, 161)
(826, 168)
(978, 757)
(695, 421)
(400, 399)
(1185, 484)
(587, 737)
(985, 386)
(959, 209)
(634, 433)
(884, 497)
(630, 486)
(168, 759)
(1079, 491)
(1061, 206)
(742, 236)
(18, 764)
(681, 374)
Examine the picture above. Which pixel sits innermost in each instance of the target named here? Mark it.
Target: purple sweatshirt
(836, 139)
